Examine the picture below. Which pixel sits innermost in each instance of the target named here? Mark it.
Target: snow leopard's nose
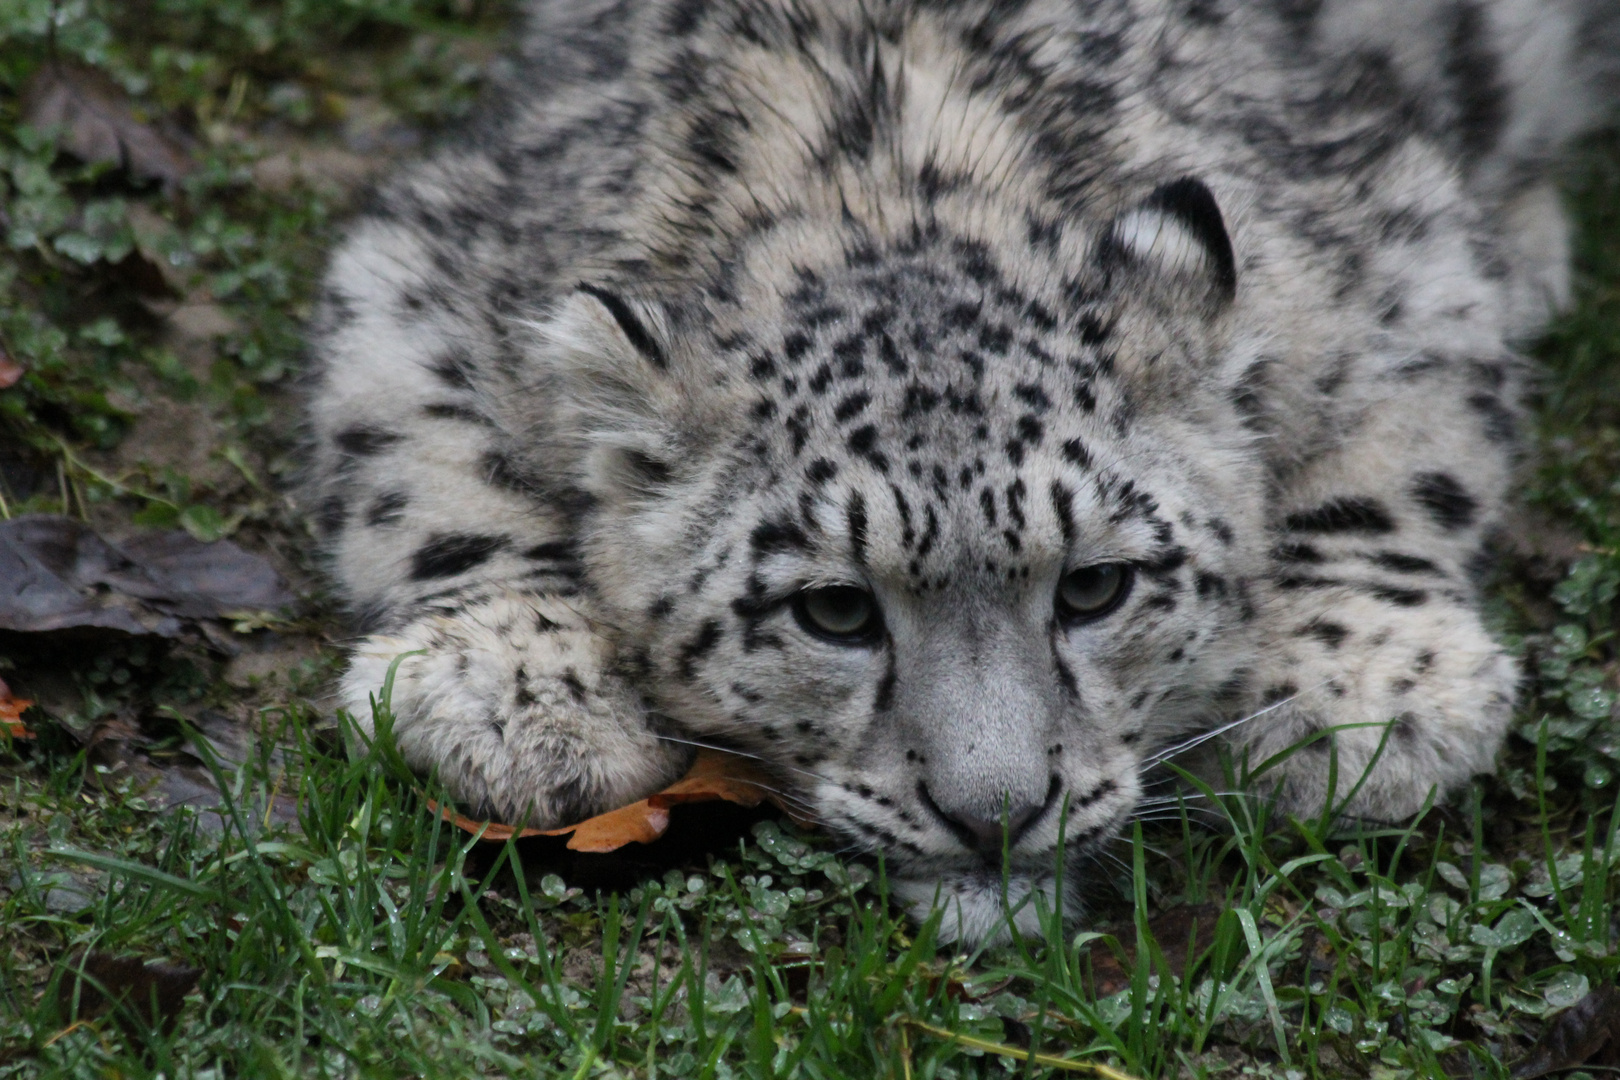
(986, 835)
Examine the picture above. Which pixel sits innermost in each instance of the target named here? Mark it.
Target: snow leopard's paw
(1380, 707)
(514, 704)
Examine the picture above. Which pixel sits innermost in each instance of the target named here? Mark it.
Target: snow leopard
(956, 405)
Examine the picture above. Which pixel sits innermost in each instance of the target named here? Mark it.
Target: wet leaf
(960, 988)
(1591, 703)
(11, 710)
(1494, 881)
(1566, 989)
(93, 114)
(1586, 1034)
(1514, 928)
(714, 776)
(203, 522)
(150, 995)
(78, 247)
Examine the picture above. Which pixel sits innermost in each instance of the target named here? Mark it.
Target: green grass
(372, 940)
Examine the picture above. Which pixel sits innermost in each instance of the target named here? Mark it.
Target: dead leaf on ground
(166, 776)
(714, 776)
(1173, 930)
(493, 831)
(57, 574)
(151, 993)
(97, 125)
(11, 710)
(1586, 1033)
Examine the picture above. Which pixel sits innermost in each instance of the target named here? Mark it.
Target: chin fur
(980, 907)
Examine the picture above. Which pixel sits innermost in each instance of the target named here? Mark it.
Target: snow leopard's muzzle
(985, 766)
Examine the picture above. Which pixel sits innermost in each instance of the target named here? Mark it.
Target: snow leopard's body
(736, 299)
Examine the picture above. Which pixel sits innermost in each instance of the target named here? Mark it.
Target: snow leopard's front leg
(512, 700)
(511, 688)
(1375, 660)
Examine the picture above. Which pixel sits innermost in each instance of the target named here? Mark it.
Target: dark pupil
(841, 610)
(1090, 588)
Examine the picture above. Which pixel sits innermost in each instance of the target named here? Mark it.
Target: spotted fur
(727, 300)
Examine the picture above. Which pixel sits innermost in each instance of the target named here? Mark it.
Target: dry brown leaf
(11, 710)
(1586, 1033)
(58, 574)
(97, 125)
(714, 776)
(493, 831)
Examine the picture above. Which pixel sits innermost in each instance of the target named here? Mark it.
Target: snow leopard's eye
(1093, 591)
(839, 613)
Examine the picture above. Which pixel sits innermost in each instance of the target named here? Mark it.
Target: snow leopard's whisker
(1154, 819)
(1203, 737)
(707, 746)
(1155, 816)
(786, 794)
(1174, 797)
(1120, 839)
(744, 753)
(1175, 800)
(1170, 802)
(850, 846)
(1104, 853)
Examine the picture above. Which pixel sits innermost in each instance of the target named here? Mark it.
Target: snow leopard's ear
(617, 425)
(1176, 237)
(641, 325)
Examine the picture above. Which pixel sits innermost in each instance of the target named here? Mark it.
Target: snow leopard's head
(949, 528)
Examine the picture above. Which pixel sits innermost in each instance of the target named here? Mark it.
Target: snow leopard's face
(944, 544)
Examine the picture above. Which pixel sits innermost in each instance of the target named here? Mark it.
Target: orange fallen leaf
(639, 823)
(493, 831)
(11, 710)
(715, 775)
